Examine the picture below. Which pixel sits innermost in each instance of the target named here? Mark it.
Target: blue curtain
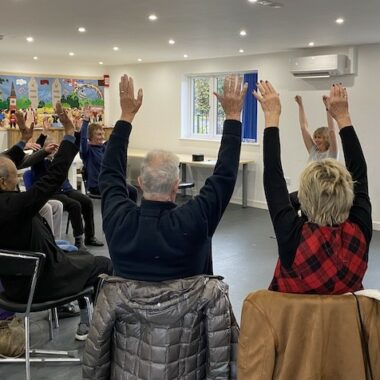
(250, 109)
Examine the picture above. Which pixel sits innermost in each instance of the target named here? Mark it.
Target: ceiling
(201, 28)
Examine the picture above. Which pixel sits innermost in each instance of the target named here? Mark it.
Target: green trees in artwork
(23, 102)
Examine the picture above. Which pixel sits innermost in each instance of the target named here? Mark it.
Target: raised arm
(216, 193)
(287, 225)
(84, 132)
(307, 139)
(360, 212)
(33, 199)
(333, 148)
(112, 177)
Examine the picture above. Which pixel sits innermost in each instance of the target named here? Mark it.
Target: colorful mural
(23, 91)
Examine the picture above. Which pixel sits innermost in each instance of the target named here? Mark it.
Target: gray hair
(4, 169)
(326, 192)
(159, 171)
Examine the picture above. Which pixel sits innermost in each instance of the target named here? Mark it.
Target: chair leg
(50, 316)
(27, 347)
(89, 308)
(56, 321)
(67, 224)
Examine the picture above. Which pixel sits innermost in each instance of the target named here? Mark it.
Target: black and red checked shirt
(312, 258)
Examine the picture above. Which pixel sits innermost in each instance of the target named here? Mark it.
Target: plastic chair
(29, 264)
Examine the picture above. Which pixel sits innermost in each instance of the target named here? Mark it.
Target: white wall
(158, 124)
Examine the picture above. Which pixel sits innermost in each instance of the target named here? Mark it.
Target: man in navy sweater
(159, 240)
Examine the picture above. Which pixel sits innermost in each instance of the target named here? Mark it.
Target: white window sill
(208, 140)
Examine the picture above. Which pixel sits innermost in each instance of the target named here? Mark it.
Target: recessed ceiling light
(139, 59)
(100, 62)
(241, 50)
(116, 48)
(185, 56)
(152, 17)
(243, 33)
(71, 54)
(35, 58)
(30, 39)
(311, 43)
(81, 29)
(252, 1)
(171, 42)
(339, 20)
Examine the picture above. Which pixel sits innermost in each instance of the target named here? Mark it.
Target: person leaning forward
(22, 228)
(159, 240)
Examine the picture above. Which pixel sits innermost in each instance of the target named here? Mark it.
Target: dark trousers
(78, 204)
(102, 265)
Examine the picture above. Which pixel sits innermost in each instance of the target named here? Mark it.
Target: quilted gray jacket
(182, 329)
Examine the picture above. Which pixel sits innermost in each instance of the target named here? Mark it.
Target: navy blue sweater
(161, 241)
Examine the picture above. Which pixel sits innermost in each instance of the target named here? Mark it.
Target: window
(207, 115)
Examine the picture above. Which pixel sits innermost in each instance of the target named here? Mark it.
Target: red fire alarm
(106, 79)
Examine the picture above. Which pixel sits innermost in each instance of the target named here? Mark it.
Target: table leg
(244, 186)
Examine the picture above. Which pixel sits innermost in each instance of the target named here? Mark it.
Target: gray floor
(244, 253)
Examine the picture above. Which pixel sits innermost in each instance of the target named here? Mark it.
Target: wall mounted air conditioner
(320, 66)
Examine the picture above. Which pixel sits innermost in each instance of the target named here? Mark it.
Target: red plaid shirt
(329, 260)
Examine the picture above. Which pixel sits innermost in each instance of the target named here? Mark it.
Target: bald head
(8, 174)
(159, 174)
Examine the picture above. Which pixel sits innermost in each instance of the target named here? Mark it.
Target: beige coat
(307, 337)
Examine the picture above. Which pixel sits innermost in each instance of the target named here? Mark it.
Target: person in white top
(322, 144)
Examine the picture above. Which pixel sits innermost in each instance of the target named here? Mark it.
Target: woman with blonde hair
(326, 250)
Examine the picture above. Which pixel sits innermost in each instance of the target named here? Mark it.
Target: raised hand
(233, 95)
(51, 148)
(298, 99)
(46, 125)
(87, 112)
(26, 133)
(269, 99)
(337, 105)
(33, 146)
(128, 103)
(64, 119)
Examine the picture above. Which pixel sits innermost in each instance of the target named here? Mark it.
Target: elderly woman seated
(325, 251)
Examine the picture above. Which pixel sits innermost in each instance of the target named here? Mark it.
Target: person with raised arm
(159, 240)
(22, 228)
(326, 250)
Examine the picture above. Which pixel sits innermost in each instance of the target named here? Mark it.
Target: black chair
(29, 264)
(84, 179)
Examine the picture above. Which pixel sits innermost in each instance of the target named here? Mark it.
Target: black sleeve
(41, 140)
(30, 202)
(33, 159)
(286, 223)
(360, 212)
(16, 154)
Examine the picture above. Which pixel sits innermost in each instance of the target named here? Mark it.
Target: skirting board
(263, 205)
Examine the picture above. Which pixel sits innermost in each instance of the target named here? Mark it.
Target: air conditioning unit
(320, 66)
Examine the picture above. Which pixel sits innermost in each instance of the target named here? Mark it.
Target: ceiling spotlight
(241, 50)
(100, 62)
(35, 58)
(71, 54)
(81, 29)
(171, 42)
(311, 44)
(30, 39)
(139, 60)
(116, 48)
(185, 56)
(252, 1)
(243, 33)
(152, 17)
(339, 20)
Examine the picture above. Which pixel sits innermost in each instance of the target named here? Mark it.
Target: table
(209, 162)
